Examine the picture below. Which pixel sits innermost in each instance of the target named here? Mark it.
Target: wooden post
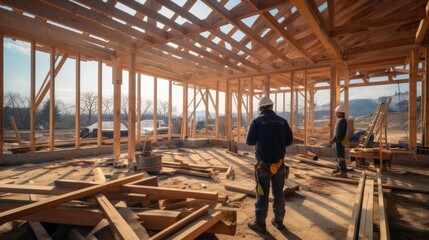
(335, 97)
(117, 82)
(346, 91)
(206, 103)
(284, 105)
(217, 111)
(155, 109)
(305, 108)
(52, 102)
(32, 99)
(267, 86)
(412, 100)
(239, 102)
(311, 120)
(1, 92)
(425, 101)
(132, 107)
(77, 110)
(291, 117)
(185, 110)
(100, 104)
(194, 116)
(139, 107)
(170, 108)
(251, 99)
(227, 112)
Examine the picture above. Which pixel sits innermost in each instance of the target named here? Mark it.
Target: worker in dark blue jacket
(270, 134)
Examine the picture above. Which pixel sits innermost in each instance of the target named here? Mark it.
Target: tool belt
(268, 169)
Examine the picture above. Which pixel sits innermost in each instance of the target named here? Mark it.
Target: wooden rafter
(421, 31)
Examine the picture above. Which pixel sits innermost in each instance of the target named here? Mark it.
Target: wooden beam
(57, 200)
(412, 100)
(305, 109)
(217, 111)
(116, 221)
(1, 92)
(251, 90)
(366, 218)
(181, 223)
(77, 108)
(423, 26)
(170, 108)
(425, 101)
(292, 110)
(267, 86)
(15, 129)
(155, 109)
(139, 107)
(117, 82)
(191, 231)
(100, 104)
(132, 107)
(185, 110)
(308, 9)
(32, 98)
(384, 225)
(52, 101)
(353, 228)
(335, 97)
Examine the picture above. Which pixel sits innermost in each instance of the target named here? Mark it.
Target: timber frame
(286, 47)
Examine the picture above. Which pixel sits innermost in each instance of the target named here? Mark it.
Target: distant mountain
(357, 107)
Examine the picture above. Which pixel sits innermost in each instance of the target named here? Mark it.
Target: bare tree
(108, 107)
(88, 105)
(163, 108)
(17, 106)
(124, 106)
(146, 106)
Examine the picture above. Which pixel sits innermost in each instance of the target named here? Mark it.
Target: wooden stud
(366, 219)
(155, 109)
(52, 102)
(117, 82)
(194, 115)
(239, 103)
(425, 101)
(421, 31)
(346, 91)
(206, 103)
(292, 110)
(132, 107)
(77, 109)
(311, 120)
(57, 200)
(267, 86)
(170, 108)
(251, 90)
(217, 111)
(1, 92)
(33, 98)
(116, 221)
(139, 107)
(284, 105)
(185, 110)
(305, 109)
(335, 97)
(412, 99)
(353, 228)
(384, 225)
(100, 104)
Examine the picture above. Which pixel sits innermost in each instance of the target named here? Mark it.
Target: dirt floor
(319, 210)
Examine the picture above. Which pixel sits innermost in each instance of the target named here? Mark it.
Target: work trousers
(261, 205)
(340, 151)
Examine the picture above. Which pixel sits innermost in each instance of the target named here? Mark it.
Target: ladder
(378, 116)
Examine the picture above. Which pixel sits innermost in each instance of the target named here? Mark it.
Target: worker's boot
(337, 170)
(255, 226)
(278, 225)
(341, 175)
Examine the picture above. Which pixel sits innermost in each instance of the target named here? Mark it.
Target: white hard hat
(265, 101)
(340, 108)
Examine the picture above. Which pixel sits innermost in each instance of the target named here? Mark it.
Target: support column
(100, 104)
(1, 93)
(52, 102)
(284, 105)
(170, 108)
(251, 90)
(239, 102)
(117, 83)
(132, 107)
(292, 88)
(155, 109)
(346, 91)
(227, 121)
(275, 103)
(217, 111)
(32, 98)
(267, 86)
(425, 102)
(194, 116)
(185, 110)
(77, 110)
(335, 97)
(311, 120)
(139, 107)
(305, 108)
(412, 99)
(206, 103)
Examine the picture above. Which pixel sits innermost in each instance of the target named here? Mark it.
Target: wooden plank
(100, 104)
(15, 129)
(181, 223)
(170, 193)
(77, 109)
(217, 111)
(384, 225)
(99, 175)
(1, 92)
(423, 25)
(117, 222)
(117, 82)
(54, 201)
(425, 101)
(37, 227)
(305, 108)
(412, 102)
(52, 101)
(366, 219)
(188, 204)
(292, 110)
(313, 162)
(32, 98)
(170, 108)
(132, 107)
(196, 228)
(155, 109)
(353, 228)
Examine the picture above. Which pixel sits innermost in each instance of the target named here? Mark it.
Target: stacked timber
(119, 208)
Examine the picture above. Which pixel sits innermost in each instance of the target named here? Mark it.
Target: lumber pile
(121, 208)
(199, 170)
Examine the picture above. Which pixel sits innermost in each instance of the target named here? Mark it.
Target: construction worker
(339, 140)
(270, 134)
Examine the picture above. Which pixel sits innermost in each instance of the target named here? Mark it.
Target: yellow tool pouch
(274, 167)
(345, 142)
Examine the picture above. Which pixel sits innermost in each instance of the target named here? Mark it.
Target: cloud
(18, 47)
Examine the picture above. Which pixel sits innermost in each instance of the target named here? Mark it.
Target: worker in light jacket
(270, 134)
(340, 139)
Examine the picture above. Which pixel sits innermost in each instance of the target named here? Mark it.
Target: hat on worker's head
(340, 109)
(265, 101)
